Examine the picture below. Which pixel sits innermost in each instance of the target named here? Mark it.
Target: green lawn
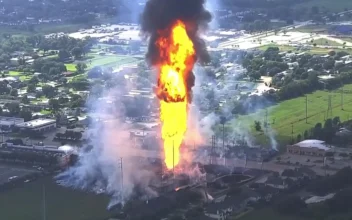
(71, 67)
(14, 73)
(110, 60)
(331, 5)
(281, 47)
(62, 203)
(313, 50)
(326, 42)
(286, 114)
(313, 28)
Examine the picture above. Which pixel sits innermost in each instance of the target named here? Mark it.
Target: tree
(54, 71)
(257, 125)
(332, 53)
(299, 137)
(77, 135)
(14, 92)
(25, 99)
(63, 55)
(49, 91)
(14, 108)
(291, 205)
(54, 104)
(26, 114)
(306, 134)
(31, 88)
(34, 80)
(81, 67)
(255, 76)
(77, 52)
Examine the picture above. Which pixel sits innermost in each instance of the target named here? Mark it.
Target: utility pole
(342, 99)
(121, 176)
(223, 136)
(44, 204)
(306, 109)
(266, 120)
(329, 112)
(173, 158)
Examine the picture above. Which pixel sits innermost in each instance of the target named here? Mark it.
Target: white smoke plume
(239, 133)
(99, 169)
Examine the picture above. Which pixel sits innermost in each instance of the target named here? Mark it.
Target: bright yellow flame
(177, 59)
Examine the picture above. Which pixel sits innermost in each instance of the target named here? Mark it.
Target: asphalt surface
(7, 171)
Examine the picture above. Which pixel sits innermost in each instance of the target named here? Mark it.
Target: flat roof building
(9, 121)
(38, 125)
(309, 148)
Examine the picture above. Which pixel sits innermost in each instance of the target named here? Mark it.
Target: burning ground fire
(177, 58)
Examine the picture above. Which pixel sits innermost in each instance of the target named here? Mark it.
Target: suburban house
(279, 183)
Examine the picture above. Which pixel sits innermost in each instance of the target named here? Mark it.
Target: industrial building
(309, 148)
(7, 123)
(38, 125)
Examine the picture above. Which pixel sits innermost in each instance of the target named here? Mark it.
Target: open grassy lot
(111, 60)
(326, 42)
(333, 6)
(313, 28)
(14, 73)
(313, 50)
(289, 116)
(61, 203)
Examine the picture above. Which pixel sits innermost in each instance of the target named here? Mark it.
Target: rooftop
(313, 144)
(37, 123)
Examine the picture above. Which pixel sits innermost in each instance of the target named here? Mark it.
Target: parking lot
(7, 171)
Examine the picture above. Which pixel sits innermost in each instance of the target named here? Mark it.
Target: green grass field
(313, 50)
(113, 60)
(14, 73)
(313, 28)
(291, 114)
(71, 67)
(62, 203)
(333, 6)
(326, 42)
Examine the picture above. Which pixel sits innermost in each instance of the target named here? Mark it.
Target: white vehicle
(27, 181)
(12, 178)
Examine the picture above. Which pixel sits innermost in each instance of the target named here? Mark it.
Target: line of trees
(69, 135)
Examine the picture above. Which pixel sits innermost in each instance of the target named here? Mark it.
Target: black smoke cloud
(161, 15)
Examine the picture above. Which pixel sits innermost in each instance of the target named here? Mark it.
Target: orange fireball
(177, 58)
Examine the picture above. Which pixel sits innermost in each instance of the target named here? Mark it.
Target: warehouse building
(38, 125)
(310, 148)
(7, 123)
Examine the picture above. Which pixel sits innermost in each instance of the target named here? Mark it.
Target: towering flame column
(177, 58)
